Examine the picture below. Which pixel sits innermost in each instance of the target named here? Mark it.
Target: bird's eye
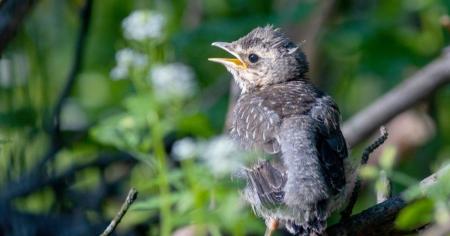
(253, 58)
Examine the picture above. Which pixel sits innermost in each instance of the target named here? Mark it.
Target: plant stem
(164, 188)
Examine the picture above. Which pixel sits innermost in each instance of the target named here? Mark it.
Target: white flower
(144, 24)
(184, 149)
(119, 72)
(127, 59)
(171, 81)
(222, 156)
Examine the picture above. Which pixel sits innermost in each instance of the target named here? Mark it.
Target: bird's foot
(271, 226)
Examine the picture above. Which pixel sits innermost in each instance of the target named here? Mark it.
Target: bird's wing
(331, 156)
(330, 143)
(255, 126)
(313, 149)
(266, 180)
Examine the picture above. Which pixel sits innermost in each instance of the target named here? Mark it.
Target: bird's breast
(255, 125)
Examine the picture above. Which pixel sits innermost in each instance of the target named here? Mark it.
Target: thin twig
(345, 214)
(371, 148)
(131, 197)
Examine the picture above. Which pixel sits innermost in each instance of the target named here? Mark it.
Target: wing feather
(330, 143)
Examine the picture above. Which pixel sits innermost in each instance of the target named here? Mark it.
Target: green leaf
(124, 132)
(153, 203)
(440, 191)
(368, 172)
(412, 193)
(387, 159)
(416, 214)
(141, 105)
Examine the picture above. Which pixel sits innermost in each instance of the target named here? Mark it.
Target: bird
(280, 112)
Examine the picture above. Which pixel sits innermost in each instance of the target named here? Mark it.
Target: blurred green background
(147, 109)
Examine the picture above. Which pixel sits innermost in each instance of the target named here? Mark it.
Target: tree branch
(34, 177)
(421, 85)
(131, 197)
(12, 13)
(55, 120)
(379, 219)
(30, 185)
(80, 45)
(85, 16)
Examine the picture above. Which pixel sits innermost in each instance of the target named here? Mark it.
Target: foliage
(432, 204)
(429, 203)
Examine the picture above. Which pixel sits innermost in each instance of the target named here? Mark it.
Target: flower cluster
(143, 25)
(220, 154)
(128, 59)
(185, 149)
(172, 81)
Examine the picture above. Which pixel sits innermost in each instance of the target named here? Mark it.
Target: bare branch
(12, 13)
(421, 85)
(372, 147)
(85, 16)
(379, 219)
(131, 197)
(55, 122)
(347, 212)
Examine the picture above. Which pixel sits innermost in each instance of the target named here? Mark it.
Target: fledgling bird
(282, 113)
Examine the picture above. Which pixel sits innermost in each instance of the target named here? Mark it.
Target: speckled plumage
(299, 124)
(282, 113)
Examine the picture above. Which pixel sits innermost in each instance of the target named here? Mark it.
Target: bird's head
(263, 57)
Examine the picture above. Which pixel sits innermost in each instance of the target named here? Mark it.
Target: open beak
(235, 62)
